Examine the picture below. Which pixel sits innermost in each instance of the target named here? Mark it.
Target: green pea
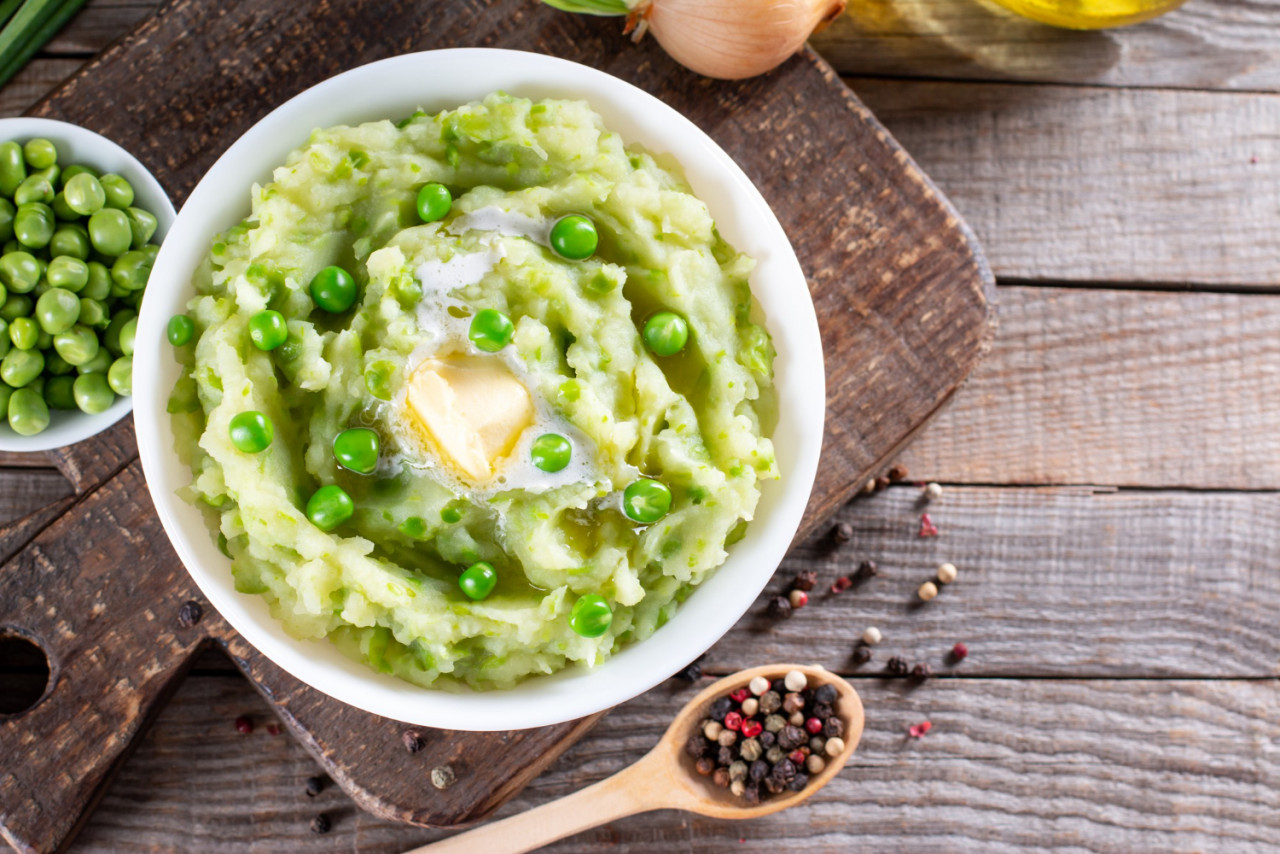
(268, 330)
(57, 310)
(131, 270)
(119, 191)
(62, 211)
(128, 333)
(77, 345)
(28, 413)
(34, 188)
(99, 285)
(377, 379)
(13, 168)
(144, 226)
(99, 364)
(5, 394)
(7, 212)
(491, 330)
(329, 507)
(452, 512)
(37, 385)
(646, 500)
(109, 232)
(120, 376)
(19, 272)
(52, 174)
(251, 432)
(93, 393)
(84, 194)
(70, 240)
(180, 330)
(333, 290)
(15, 306)
(478, 580)
(67, 273)
(40, 153)
(93, 313)
(357, 450)
(56, 366)
(20, 367)
(76, 169)
(551, 452)
(574, 237)
(151, 251)
(111, 337)
(414, 527)
(44, 340)
(434, 202)
(10, 246)
(59, 392)
(5, 341)
(23, 332)
(590, 616)
(666, 333)
(33, 225)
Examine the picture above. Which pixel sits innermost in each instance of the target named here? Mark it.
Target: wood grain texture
(893, 255)
(1085, 184)
(1096, 766)
(1206, 44)
(27, 490)
(1124, 388)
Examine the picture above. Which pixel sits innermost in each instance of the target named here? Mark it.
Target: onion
(728, 39)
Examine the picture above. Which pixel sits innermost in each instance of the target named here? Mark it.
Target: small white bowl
(79, 145)
(436, 80)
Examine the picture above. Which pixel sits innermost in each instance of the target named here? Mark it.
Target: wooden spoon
(663, 779)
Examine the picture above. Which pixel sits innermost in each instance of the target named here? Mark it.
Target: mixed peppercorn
(768, 737)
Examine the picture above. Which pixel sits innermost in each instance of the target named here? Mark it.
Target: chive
(591, 7)
(34, 24)
(7, 8)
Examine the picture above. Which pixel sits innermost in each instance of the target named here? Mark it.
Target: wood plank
(1206, 44)
(1118, 388)
(25, 491)
(98, 24)
(39, 78)
(1009, 765)
(1087, 184)
(1053, 582)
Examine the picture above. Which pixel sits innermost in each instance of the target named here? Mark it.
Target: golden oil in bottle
(1090, 14)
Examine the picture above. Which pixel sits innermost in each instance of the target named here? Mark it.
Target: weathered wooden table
(1110, 472)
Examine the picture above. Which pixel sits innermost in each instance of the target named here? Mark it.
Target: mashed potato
(384, 584)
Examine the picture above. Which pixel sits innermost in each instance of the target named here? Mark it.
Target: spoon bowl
(664, 778)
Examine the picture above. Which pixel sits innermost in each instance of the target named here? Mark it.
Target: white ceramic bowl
(78, 145)
(437, 80)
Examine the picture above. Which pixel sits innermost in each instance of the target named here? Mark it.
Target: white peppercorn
(758, 685)
(738, 771)
(796, 681)
(835, 746)
(815, 764)
(737, 787)
(927, 591)
(933, 491)
(711, 729)
(872, 636)
(750, 706)
(796, 719)
(947, 573)
(727, 738)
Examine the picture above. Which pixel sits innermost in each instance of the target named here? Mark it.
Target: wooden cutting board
(903, 298)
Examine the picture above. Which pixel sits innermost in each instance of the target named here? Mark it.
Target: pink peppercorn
(813, 725)
(244, 725)
(733, 721)
(798, 599)
(919, 730)
(751, 728)
(272, 729)
(959, 652)
(797, 757)
(927, 528)
(739, 695)
(841, 584)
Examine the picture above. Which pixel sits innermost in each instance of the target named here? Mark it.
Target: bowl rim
(68, 428)
(460, 75)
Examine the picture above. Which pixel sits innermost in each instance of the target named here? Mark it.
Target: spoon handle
(638, 788)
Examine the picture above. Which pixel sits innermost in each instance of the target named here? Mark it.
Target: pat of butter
(473, 410)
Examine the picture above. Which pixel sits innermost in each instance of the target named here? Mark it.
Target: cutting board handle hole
(24, 671)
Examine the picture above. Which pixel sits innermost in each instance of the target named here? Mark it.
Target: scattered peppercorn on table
(1058, 608)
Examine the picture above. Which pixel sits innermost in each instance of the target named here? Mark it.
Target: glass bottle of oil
(1090, 14)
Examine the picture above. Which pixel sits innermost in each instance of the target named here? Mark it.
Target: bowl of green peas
(81, 221)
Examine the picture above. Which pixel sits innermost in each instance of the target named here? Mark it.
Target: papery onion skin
(735, 39)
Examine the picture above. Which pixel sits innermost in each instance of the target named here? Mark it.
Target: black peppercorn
(806, 580)
(821, 711)
(320, 824)
(842, 533)
(751, 795)
(798, 782)
(697, 746)
(866, 569)
(413, 740)
(720, 708)
(779, 607)
(724, 756)
(791, 737)
(861, 655)
(767, 739)
(778, 686)
(758, 770)
(315, 785)
(898, 472)
(721, 777)
(825, 694)
(705, 766)
(898, 666)
(190, 613)
(774, 785)
(833, 727)
(784, 770)
(882, 482)
(921, 671)
(692, 673)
